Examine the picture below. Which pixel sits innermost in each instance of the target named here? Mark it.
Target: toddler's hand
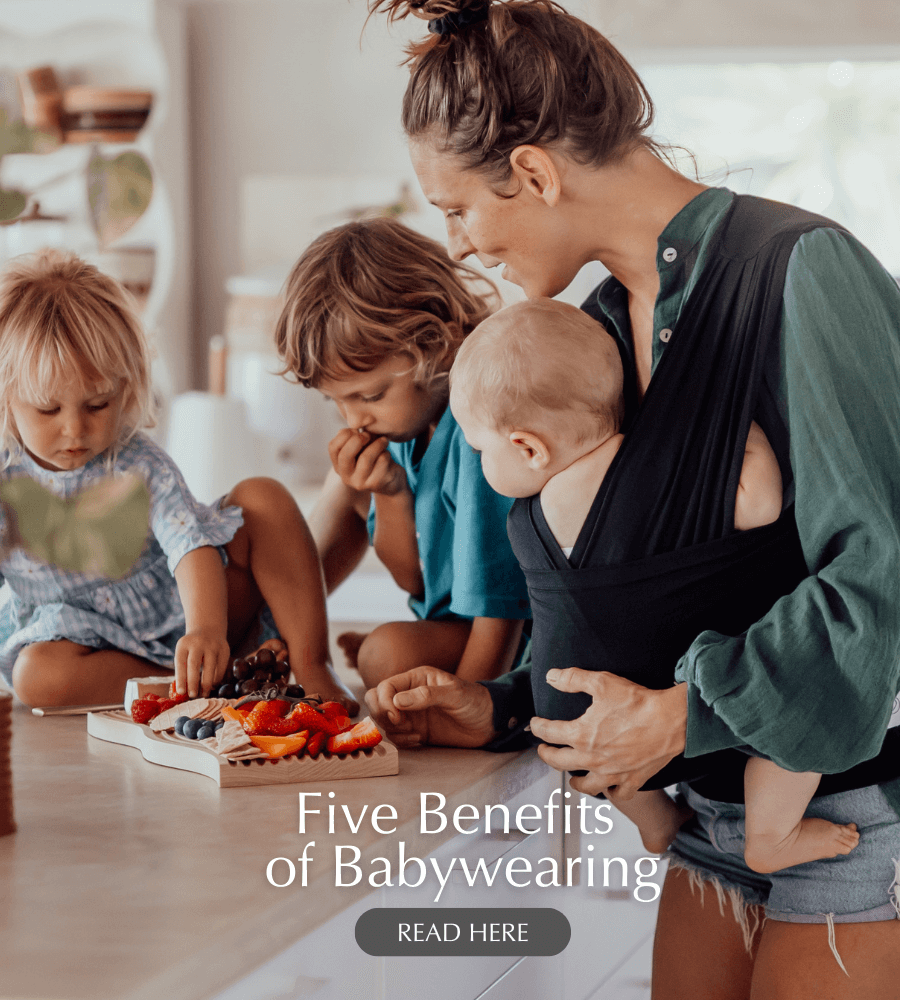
(364, 463)
(201, 659)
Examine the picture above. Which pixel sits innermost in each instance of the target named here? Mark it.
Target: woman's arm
(201, 655)
(811, 684)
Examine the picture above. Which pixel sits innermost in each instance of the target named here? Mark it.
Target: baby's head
(74, 365)
(374, 315)
(534, 388)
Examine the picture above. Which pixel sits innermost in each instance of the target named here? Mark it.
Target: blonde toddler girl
(74, 393)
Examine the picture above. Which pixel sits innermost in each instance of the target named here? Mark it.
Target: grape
(248, 687)
(227, 691)
(191, 728)
(294, 691)
(282, 668)
(261, 676)
(265, 658)
(240, 669)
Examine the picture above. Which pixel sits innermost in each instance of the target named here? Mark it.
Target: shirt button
(513, 722)
(669, 254)
(665, 335)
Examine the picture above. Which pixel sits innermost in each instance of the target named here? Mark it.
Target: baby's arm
(201, 655)
(759, 494)
(490, 649)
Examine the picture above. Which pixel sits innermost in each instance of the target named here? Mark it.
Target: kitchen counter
(128, 880)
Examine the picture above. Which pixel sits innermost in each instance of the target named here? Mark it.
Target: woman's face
(517, 229)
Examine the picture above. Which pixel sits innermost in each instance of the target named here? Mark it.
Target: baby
(537, 390)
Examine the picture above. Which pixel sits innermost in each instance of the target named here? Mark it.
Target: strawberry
(150, 697)
(314, 721)
(362, 736)
(316, 742)
(144, 709)
(281, 727)
(335, 712)
(166, 703)
(174, 696)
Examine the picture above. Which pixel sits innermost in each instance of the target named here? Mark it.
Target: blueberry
(220, 724)
(179, 724)
(191, 728)
(205, 731)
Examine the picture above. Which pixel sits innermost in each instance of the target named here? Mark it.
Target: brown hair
(542, 364)
(529, 73)
(370, 289)
(61, 320)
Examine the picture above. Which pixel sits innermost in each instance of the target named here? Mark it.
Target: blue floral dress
(140, 613)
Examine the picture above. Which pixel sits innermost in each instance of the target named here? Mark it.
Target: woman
(528, 130)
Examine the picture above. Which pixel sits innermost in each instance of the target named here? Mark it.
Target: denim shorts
(853, 888)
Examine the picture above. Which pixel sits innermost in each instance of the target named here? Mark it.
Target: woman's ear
(532, 449)
(537, 172)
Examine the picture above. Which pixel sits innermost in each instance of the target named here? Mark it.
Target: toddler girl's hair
(62, 320)
(371, 289)
(543, 364)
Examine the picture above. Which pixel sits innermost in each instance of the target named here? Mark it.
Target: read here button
(463, 931)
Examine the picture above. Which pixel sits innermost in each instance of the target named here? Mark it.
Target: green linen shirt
(811, 684)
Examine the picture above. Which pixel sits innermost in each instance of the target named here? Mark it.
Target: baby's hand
(201, 659)
(364, 463)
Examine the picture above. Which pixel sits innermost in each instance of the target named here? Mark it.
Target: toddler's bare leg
(273, 559)
(67, 673)
(777, 833)
(398, 646)
(656, 815)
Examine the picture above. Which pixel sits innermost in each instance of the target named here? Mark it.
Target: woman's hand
(201, 659)
(364, 463)
(627, 735)
(429, 706)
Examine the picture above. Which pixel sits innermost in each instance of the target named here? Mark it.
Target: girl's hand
(201, 659)
(627, 735)
(364, 463)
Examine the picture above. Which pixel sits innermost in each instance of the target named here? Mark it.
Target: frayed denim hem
(750, 917)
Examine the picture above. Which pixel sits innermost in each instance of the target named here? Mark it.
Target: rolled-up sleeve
(811, 684)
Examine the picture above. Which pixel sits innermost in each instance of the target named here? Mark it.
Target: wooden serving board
(187, 755)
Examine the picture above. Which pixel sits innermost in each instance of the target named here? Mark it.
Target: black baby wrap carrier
(658, 560)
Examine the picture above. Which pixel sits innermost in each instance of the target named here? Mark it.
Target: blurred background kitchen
(192, 148)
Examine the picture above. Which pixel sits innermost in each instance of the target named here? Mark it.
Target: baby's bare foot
(349, 644)
(811, 840)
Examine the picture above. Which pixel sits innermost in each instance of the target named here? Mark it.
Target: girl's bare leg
(272, 559)
(656, 815)
(777, 833)
(67, 673)
(698, 951)
(398, 646)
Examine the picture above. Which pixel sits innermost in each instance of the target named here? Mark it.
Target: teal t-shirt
(467, 563)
